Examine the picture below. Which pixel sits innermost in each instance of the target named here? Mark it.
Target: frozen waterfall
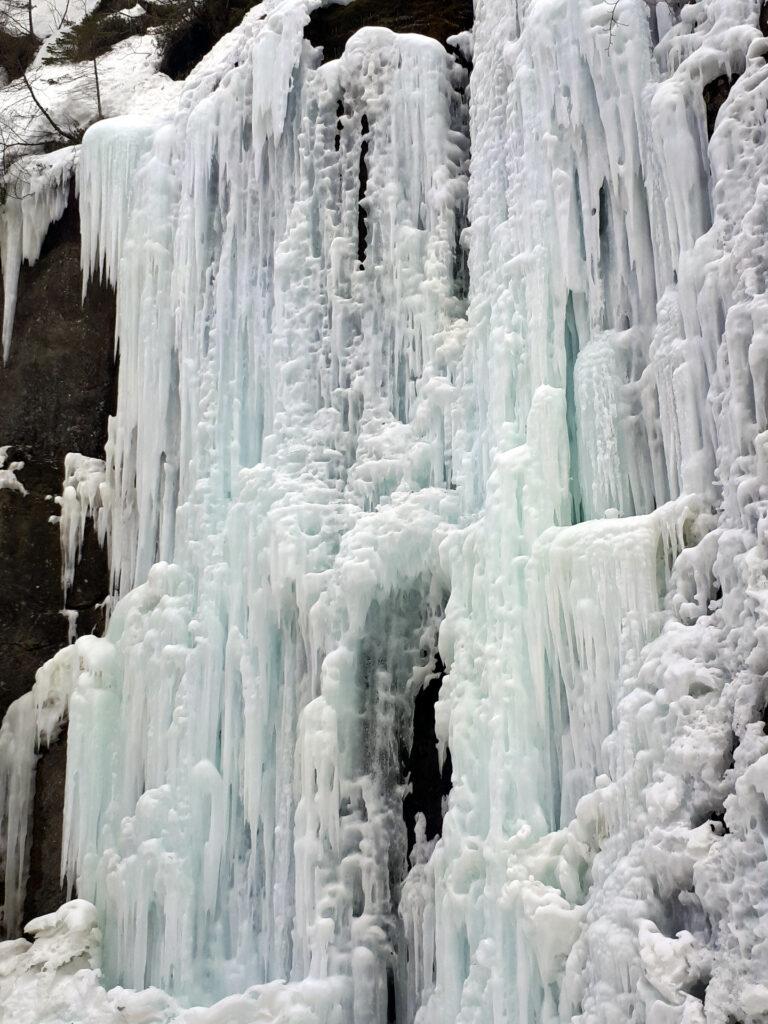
(426, 378)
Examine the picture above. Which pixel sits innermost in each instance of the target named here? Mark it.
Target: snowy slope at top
(36, 185)
(327, 467)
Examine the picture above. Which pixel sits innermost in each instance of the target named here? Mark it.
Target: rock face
(57, 393)
(332, 26)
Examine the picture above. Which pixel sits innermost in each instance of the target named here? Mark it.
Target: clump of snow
(56, 978)
(8, 479)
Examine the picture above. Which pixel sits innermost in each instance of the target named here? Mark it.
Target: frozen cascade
(328, 471)
(263, 841)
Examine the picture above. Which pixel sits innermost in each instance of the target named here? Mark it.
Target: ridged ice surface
(387, 408)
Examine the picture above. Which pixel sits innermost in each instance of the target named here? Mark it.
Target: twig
(98, 89)
(614, 22)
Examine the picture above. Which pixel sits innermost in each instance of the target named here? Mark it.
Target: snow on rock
(50, 16)
(36, 189)
(8, 479)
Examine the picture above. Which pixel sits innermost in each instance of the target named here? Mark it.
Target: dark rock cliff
(57, 392)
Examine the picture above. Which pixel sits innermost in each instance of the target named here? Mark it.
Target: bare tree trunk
(98, 89)
(29, 16)
(63, 17)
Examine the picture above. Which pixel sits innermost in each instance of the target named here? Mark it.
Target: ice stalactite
(596, 593)
(17, 751)
(36, 194)
(84, 496)
(110, 178)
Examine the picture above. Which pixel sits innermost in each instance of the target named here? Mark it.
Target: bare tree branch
(98, 89)
(64, 134)
(673, 6)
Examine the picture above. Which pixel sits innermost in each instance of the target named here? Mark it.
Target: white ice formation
(84, 496)
(36, 195)
(8, 479)
(335, 471)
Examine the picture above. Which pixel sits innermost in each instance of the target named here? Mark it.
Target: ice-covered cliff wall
(335, 476)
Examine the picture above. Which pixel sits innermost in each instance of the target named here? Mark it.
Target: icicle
(84, 495)
(598, 592)
(37, 195)
(32, 722)
(18, 757)
(106, 179)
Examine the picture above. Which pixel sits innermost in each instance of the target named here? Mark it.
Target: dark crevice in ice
(362, 214)
(339, 125)
(571, 352)
(460, 124)
(732, 753)
(44, 889)
(715, 816)
(430, 785)
(607, 239)
(715, 95)
(698, 988)
(391, 997)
